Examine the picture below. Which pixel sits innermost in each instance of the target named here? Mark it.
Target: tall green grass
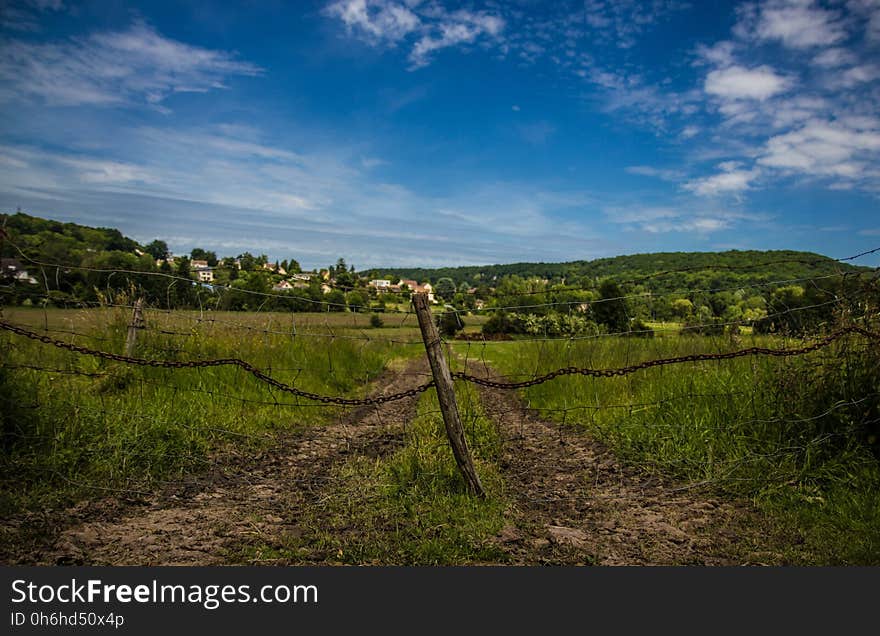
(796, 435)
(77, 425)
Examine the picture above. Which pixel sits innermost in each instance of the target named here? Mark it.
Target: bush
(449, 323)
(500, 322)
(640, 330)
(376, 322)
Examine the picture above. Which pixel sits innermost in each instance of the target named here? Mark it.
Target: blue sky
(407, 132)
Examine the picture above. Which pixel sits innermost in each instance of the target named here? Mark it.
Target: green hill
(659, 272)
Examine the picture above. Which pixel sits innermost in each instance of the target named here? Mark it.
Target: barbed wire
(658, 362)
(194, 364)
(461, 375)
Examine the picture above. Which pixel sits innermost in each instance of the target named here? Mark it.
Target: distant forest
(706, 292)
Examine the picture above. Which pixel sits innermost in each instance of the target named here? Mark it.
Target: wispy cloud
(664, 220)
(25, 15)
(620, 22)
(137, 65)
(431, 26)
(732, 179)
(317, 205)
(666, 174)
(798, 24)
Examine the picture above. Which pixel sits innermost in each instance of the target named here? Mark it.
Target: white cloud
(25, 15)
(797, 24)
(460, 27)
(852, 77)
(869, 13)
(825, 149)
(719, 54)
(737, 82)
(689, 131)
(226, 185)
(389, 22)
(731, 180)
(664, 220)
(620, 22)
(136, 65)
(375, 20)
(665, 174)
(833, 58)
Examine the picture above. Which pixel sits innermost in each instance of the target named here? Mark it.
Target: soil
(572, 502)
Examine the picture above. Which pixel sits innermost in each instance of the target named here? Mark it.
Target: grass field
(786, 434)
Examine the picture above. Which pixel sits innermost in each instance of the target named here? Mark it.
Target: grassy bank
(797, 436)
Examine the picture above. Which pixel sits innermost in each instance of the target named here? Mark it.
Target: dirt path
(571, 501)
(574, 503)
(250, 501)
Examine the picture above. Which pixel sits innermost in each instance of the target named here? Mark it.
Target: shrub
(449, 323)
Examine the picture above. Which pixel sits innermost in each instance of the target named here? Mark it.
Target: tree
(682, 308)
(445, 288)
(247, 261)
(611, 310)
(158, 250)
(449, 322)
(356, 301)
(335, 301)
(198, 254)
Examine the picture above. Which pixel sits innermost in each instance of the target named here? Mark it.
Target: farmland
(758, 459)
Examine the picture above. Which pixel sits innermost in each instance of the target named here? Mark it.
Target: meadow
(795, 437)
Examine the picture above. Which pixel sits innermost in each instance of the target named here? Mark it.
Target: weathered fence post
(137, 322)
(446, 394)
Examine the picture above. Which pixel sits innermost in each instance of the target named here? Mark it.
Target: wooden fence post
(446, 394)
(137, 322)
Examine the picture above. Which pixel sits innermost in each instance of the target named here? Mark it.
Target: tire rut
(212, 516)
(575, 503)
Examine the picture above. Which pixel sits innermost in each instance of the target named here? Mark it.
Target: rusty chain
(194, 364)
(697, 357)
(459, 375)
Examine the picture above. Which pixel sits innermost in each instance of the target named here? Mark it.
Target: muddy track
(574, 503)
(240, 502)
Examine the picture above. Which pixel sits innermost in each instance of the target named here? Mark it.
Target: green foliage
(335, 300)
(376, 322)
(445, 288)
(610, 310)
(157, 249)
(198, 254)
(449, 323)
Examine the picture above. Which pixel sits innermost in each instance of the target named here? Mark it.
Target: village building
(282, 286)
(381, 285)
(416, 288)
(12, 268)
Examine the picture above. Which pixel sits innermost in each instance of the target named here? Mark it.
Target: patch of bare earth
(574, 503)
(244, 501)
